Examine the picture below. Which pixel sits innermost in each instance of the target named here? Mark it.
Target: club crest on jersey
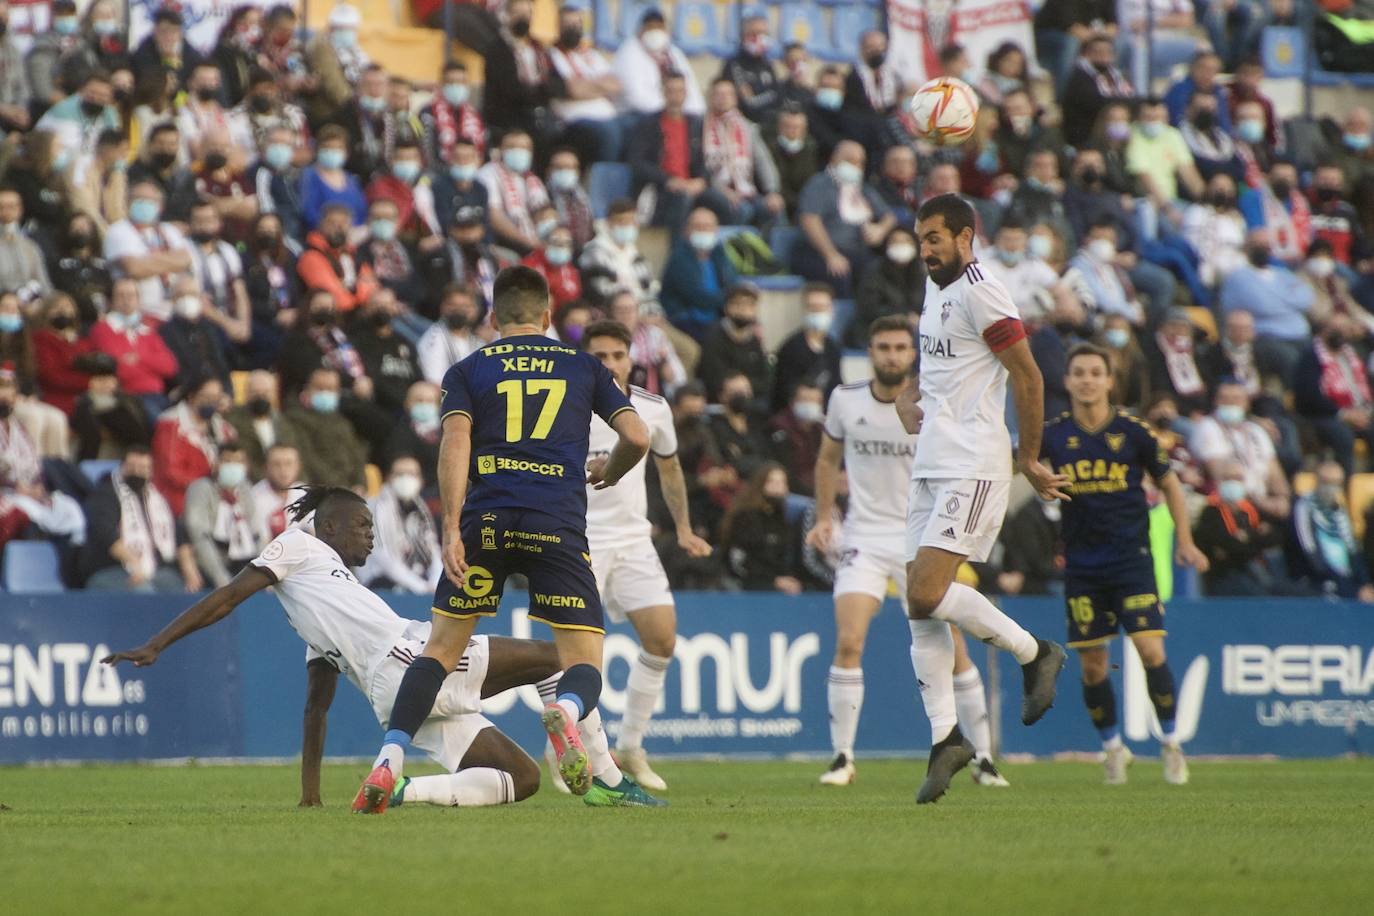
(1072, 443)
(945, 308)
(488, 538)
(1115, 441)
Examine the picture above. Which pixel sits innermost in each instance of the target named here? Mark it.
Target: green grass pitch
(749, 838)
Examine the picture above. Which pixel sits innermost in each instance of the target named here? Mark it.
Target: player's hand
(1189, 555)
(455, 558)
(821, 535)
(909, 409)
(596, 471)
(142, 657)
(1046, 482)
(696, 547)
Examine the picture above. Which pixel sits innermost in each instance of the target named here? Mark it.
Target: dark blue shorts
(1099, 605)
(548, 552)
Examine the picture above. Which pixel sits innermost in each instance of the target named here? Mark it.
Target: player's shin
(845, 693)
(932, 657)
(972, 706)
(470, 788)
(413, 704)
(642, 692)
(1160, 683)
(1100, 698)
(978, 617)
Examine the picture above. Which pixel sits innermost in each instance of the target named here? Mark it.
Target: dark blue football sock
(580, 686)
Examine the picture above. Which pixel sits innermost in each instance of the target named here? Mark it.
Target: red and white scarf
(880, 86)
(450, 124)
(208, 438)
(1110, 85)
(520, 196)
(339, 354)
(853, 207)
(232, 529)
(20, 464)
(531, 62)
(1290, 232)
(1343, 380)
(1182, 366)
(146, 527)
(728, 151)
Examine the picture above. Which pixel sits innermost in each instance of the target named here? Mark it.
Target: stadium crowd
(230, 273)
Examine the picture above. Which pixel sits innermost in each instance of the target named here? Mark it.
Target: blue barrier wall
(1255, 677)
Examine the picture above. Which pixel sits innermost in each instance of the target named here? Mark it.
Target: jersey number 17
(516, 391)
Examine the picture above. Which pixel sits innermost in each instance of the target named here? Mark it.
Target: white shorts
(867, 565)
(630, 578)
(960, 516)
(457, 717)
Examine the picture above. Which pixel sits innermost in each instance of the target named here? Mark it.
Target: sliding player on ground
(349, 630)
(629, 574)
(971, 343)
(1109, 574)
(516, 420)
(862, 429)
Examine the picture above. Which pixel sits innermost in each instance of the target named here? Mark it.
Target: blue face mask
(1010, 258)
(558, 255)
(345, 39)
(463, 173)
(383, 230)
(1250, 130)
(563, 179)
(1357, 142)
(406, 170)
(372, 103)
(1117, 338)
(64, 25)
(424, 413)
(1231, 414)
(324, 401)
(624, 236)
(10, 324)
(829, 98)
(703, 241)
(455, 94)
(231, 474)
(144, 212)
(277, 156)
(331, 158)
(517, 159)
(1152, 129)
(1231, 491)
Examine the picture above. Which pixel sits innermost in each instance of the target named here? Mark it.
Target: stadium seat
(696, 27)
(782, 239)
(795, 507)
(1361, 494)
(373, 476)
(238, 381)
(630, 12)
(804, 23)
(1283, 51)
(1204, 321)
(31, 568)
(847, 23)
(607, 181)
(97, 470)
(844, 314)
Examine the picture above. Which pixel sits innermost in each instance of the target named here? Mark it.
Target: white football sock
(642, 690)
(1112, 743)
(932, 658)
(394, 756)
(598, 750)
(972, 705)
(468, 788)
(978, 617)
(845, 691)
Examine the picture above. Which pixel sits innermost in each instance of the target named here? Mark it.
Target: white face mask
(901, 254)
(808, 412)
(406, 486)
(189, 307)
(655, 40)
(819, 321)
(231, 474)
(1321, 267)
(1101, 250)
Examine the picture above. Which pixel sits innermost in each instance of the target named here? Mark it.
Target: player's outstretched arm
(213, 607)
(827, 476)
(321, 679)
(674, 487)
(632, 447)
(1028, 391)
(1186, 552)
(455, 455)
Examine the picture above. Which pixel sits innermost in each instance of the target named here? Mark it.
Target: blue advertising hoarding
(1282, 677)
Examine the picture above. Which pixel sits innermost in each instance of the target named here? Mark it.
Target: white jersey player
(629, 574)
(348, 629)
(862, 429)
(971, 344)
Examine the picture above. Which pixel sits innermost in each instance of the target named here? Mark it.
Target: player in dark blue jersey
(516, 420)
(1109, 578)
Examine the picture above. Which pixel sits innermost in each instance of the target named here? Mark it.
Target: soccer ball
(944, 111)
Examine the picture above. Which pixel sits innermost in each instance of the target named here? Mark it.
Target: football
(944, 111)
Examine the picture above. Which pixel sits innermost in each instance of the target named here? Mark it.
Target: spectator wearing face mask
(466, 259)
(872, 91)
(194, 339)
(1093, 83)
(405, 556)
(146, 367)
(658, 368)
(1277, 299)
(795, 152)
(1027, 279)
(417, 432)
(79, 269)
(612, 260)
(1323, 540)
(841, 219)
(456, 186)
(387, 356)
(135, 542)
(263, 111)
(1229, 435)
(1214, 149)
(453, 336)
(147, 250)
(106, 420)
(1253, 147)
(665, 156)
(274, 287)
(336, 456)
(1201, 80)
(589, 87)
(40, 64)
(276, 181)
(1130, 372)
(203, 122)
(279, 486)
(809, 355)
(795, 432)
(1216, 230)
(77, 121)
(734, 347)
(1354, 153)
(555, 262)
(514, 192)
(894, 284)
(1277, 204)
(521, 82)
(258, 422)
(335, 59)
(327, 184)
(762, 549)
(405, 186)
(217, 270)
(1234, 535)
(187, 439)
(1331, 389)
(1020, 132)
(451, 117)
(221, 519)
(62, 356)
(1173, 356)
(391, 260)
(1335, 219)
(1108, 285)
(1066, 326)
(643, 63)
(569, 200)
(330, 264)
(697, 276)
(1331, 293)
(752, 73)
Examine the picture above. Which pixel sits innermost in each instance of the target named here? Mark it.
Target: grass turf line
(756, 838)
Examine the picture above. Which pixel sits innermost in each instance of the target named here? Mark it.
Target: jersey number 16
(517, 390)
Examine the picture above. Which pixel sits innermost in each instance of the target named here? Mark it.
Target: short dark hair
(606, 329)
(111, 137)
(163, 127)
(331, 132)
(455, 65)
(137, 448)
(1087, 349)
(167, 14)
(888, 323)
(950, 52)
(674, 75)
(954, 210)
(620, 205)
(817, 286)
(520, 295)
(258, 76)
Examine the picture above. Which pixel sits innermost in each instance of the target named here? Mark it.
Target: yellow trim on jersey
(452, 412)
(1149, 633)
(568, 626)
(1089, 643)
(463, 616)
(619, 412)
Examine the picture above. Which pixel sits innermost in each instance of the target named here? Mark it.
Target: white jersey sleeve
(834, 416)
(662, 432)
(989, 303)
(285, 554)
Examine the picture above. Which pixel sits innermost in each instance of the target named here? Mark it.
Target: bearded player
(1109, 573)
(972, 344)
(862, 429)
